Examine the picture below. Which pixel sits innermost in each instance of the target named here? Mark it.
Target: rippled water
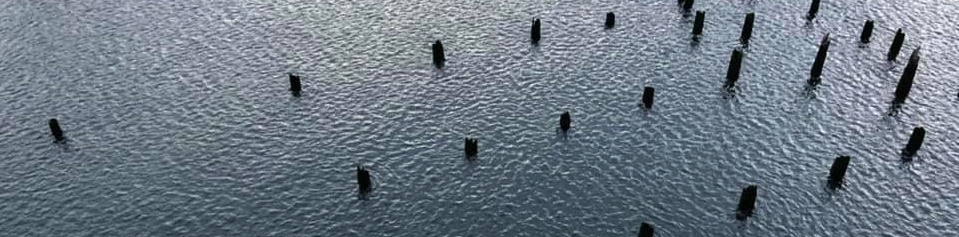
(179, 121)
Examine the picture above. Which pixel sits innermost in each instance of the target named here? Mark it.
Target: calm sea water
(180, 122)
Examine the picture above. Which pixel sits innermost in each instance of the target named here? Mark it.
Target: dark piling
(363, 179)
(295, 85)
(564, 121)
(747, 202)
(896, 45)
(648, 94)
(688, 5)
(915, 142)
(646, 230)
(471, 147)
(813, 9)
(535, 32)
(439, 55)
(816, 72)
(838, 171)
(908, 74)
(55, 129)
(747, 28)
(699, 23)
(735, 64)
(866, 32)
(610, 20)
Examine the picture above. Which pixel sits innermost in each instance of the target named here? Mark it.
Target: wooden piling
(915, 142)
(896, 45)
(838, 171)
(747, 202)
(908, 75)
(55, 129)
(747, 28)
(699, 23)
(866, 32)
(535, 32)
(735, 64)
(816, 72)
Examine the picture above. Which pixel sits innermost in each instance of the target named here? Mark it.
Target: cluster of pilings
(747, 201)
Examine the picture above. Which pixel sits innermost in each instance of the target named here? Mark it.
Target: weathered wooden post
(295, 84)
(535, 32)
(908, 74)
(747, 28)
(610, 20)
(813, 9)
(817, 65)
(55, 129)
(648, 94)
(646, 229)
(735, 64)
(747, 202)
(896, 45)
(564, 121)
(838, 171)
(439, 55)
(699, 23)
(915, 142)
(866, 32)
(363, 179)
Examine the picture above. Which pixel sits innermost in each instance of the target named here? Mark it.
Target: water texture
(179, 121)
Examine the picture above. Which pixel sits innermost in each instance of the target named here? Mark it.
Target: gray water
(179, 121)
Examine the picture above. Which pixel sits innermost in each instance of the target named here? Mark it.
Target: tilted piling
(915, 141)
(908, 75)
(816, 72)
(747, 28)
(838, 171)
(55, 129)
(866, 32)
(735, 64)
(896, 45)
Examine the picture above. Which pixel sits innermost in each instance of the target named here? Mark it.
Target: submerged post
(915, 142)
(646, 229)
(735, 64)
(688, 5)
(471, 147)
(747, 28)
(564, 121)
(699, 23)
(908, 74)
(896, 45)
(838, 171)
(648, 94)
(813, 9)
(814, 75)
(866, 32)
(439, 56)
(747, 202)
(55, 129)
(363, 179)
(535, 32)
(610, 20)
(295, 83)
